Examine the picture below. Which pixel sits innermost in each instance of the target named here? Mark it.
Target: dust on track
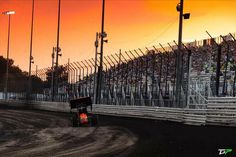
(30, 133)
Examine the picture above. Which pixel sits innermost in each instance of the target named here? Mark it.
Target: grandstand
(147, 77)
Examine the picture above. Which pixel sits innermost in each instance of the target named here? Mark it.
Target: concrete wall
(40, 105)
(216, 113)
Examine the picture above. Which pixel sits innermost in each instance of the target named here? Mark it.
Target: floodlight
(186, 15)
(178, 7)
(9, 12)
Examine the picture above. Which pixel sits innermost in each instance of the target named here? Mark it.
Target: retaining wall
(219, 111)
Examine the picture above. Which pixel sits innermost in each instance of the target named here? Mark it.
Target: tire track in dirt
(29, 133)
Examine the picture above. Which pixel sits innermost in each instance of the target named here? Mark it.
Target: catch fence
(141, 77)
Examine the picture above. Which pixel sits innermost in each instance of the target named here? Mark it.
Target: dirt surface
(39, 133)
(169, 139)
(33, 133)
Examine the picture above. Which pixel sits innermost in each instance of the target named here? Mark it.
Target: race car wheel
(94, 120)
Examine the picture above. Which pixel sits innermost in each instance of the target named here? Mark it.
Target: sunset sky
(130, 24)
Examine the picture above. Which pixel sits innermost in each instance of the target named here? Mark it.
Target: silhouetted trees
(17, 79)
(62, 74)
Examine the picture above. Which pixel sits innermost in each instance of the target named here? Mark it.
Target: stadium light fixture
(178, 7)
(8, 12)
(186, 15)
(106, 41)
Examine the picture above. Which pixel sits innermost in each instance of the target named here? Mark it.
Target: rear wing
(81, 102)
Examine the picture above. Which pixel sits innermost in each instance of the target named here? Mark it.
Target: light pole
(234, 68)
(36, 71)
(57, 49)
(179, 74)
(9, 13)
(31, 47)
(100, 68)
(96, 44)
(52, 73)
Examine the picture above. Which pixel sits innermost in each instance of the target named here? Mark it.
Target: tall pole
(91, 69)
(189, 73)
(119, 70)
(146, 78)
(179, 56)
(36, 71)
(189, 63)
(119, 57)
(8, 49)
(167, 68)
(225, 73)
(52, 73)
(31, 47)
(226, 67)
(68, 79)
(234, 69)
(99, 80)
(95, 70)
(102, 34)
(218, 65)
(57, 48)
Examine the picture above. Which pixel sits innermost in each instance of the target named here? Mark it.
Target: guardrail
(219, 111)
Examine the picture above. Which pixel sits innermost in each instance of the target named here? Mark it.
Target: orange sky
(130, 24)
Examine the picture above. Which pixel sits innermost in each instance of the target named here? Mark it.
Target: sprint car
(79, 112)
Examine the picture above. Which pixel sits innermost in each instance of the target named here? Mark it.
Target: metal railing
(142, 77)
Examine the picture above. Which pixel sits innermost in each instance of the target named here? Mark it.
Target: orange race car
(80, 114)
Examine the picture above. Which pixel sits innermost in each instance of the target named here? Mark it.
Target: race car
(80, 114)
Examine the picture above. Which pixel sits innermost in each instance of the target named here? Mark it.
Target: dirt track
(39, 133)
(29, 133)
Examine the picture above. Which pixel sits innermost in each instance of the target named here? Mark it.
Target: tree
(17, 79)
(62, 76)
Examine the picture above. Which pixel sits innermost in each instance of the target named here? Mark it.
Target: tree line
(18, 79)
